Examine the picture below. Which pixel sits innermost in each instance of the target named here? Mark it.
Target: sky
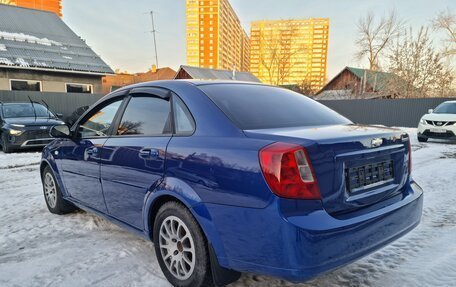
(119, 30)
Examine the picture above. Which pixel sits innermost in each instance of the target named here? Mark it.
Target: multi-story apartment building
(290, 52)
(47, 5)
(215, 37)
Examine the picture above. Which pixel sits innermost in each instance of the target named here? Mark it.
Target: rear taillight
(288, 171)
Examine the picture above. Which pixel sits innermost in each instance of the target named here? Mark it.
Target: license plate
(364, 176)
(438, 131)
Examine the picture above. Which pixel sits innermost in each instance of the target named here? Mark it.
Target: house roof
(165, 73)
(379, 79)
(34, 39)
(213, 74)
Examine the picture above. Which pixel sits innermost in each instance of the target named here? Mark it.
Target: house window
(79, 88)
(25, 85)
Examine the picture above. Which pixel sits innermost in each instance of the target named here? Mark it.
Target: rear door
(133, 158)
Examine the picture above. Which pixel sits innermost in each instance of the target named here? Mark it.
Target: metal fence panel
(64, 103)
(388, 112)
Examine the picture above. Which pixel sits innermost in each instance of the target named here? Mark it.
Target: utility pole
(155, 41)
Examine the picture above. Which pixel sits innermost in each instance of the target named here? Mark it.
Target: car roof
(170, 83)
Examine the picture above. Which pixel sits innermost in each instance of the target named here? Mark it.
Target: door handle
(92, 151)
(149, 153)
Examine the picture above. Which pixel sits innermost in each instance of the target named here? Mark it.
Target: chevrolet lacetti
(231, 177)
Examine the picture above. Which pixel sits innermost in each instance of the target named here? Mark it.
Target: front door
(80, 156)
(133, 159)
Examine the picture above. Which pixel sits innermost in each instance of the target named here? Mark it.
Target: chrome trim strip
(25, 144)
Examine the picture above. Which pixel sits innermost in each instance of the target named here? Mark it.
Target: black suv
(25, 125)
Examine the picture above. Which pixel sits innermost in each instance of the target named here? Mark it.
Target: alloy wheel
(177, 247)
(50, 190)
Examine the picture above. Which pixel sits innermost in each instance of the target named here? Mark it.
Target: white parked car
(439, 123)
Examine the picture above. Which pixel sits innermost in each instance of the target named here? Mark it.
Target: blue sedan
(231, 177)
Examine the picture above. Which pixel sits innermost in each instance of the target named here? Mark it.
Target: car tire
(53, 195)
(5, 147)
(181, 247)
(422, 139)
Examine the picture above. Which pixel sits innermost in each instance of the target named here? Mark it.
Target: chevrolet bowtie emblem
(377, 142)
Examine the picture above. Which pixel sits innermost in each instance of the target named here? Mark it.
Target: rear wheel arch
(192, 202)
(221, 276)
(175, 189)
(155, 206)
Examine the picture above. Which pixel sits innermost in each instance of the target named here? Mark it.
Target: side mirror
(430, 111)
(61, 131)
(59, 115)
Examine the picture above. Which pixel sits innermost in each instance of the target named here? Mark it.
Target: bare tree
(305, 87)
(420, 70)
(446, 22)
(280, 50)
(375, 37)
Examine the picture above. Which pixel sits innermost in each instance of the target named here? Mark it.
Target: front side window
(79, 88)
(99, 123)
(25, 85)
(146, 116)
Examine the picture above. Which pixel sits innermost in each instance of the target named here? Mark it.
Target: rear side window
(266, 107)
(182, 118)
(146, 116)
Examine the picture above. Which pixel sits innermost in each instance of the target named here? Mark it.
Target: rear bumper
(296, 246)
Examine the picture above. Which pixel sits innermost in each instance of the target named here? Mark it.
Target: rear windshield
(265, 107)
(446, 108)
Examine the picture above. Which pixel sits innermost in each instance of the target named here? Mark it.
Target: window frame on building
(80, 84)
(24, 80)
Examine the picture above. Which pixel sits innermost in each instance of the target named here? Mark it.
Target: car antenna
(33, 106)
(47, 107)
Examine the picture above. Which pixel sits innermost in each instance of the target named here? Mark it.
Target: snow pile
(21, 37)
(5, 61)
(23, 63)
(39, 64)
(80, 249)
(3, 48)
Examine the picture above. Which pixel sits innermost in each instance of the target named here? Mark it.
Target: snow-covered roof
(34, 39)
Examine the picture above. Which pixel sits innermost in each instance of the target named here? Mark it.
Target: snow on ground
(41, 249)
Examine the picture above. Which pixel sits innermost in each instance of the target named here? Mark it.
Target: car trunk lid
(355, 165)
